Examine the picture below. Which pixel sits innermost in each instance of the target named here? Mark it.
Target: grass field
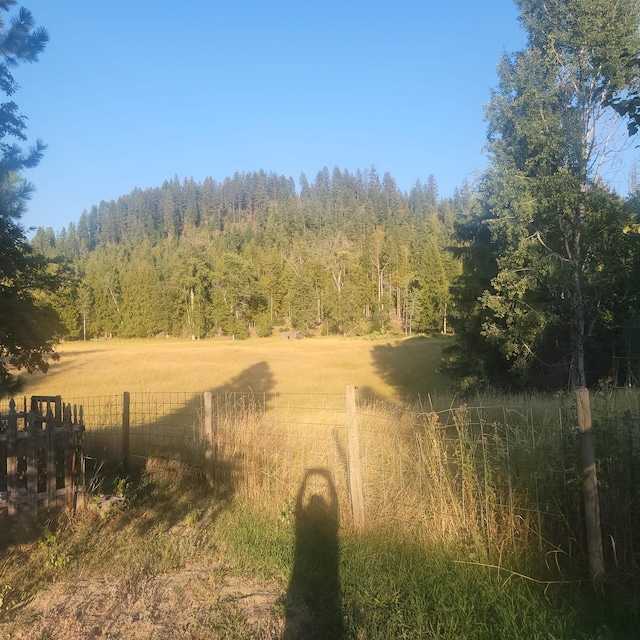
(423, 568)
(390, 370)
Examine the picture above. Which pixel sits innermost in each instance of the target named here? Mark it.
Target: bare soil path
(196, 602)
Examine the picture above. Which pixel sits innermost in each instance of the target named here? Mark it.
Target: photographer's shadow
(313, 604)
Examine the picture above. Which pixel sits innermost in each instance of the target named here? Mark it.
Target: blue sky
(130, 93)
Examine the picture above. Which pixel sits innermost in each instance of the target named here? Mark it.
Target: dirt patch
(194, 602)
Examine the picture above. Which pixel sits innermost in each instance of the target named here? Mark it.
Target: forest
(343, 254)
(533, 267)
(347, 254)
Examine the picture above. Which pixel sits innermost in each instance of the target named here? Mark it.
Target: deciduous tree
(546, 207)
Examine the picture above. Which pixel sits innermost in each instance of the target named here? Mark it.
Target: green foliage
(264, 328)
(29, 325)
(539, 274)
(6, 600)
(349, 253)
(55, 552)
(193, 517)
(123, 488)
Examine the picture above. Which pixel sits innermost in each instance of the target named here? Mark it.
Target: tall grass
(501, 482)
(392, 587)
(490, 477)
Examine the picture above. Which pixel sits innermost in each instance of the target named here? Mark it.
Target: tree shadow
(313, 605)
(256, 379)
(412, 366)
(170, 437)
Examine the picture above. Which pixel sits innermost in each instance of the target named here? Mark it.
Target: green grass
(379, 584)
(391, 588)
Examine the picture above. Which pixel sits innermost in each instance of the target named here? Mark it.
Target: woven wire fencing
(502, 477)
(273, 448)
(159, 424)
(487, 475)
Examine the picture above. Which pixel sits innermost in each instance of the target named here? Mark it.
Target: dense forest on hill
(343, 254)
(346, 253)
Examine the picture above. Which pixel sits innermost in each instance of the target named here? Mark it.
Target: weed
(123, 488)
(55, 553)
(6, 599)
(193, 517)
(287, 514)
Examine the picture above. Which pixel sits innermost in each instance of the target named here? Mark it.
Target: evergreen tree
(28, 327)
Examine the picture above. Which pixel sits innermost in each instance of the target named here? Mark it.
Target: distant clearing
(391, 370)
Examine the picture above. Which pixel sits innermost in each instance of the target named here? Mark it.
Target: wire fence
(496, 476)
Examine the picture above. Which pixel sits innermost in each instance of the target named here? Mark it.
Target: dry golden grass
(391, 370)
(267, 446)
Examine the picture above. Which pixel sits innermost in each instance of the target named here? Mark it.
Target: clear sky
(132, 92)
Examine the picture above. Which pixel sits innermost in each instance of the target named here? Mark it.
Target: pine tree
(28, 327)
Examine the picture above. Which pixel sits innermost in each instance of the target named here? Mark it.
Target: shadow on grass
(168, 427)
(23, 528)
(411, 367)
(256, 379)
(313, 604)
(63, 362)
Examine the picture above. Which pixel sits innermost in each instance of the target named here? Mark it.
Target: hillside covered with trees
(342, 254)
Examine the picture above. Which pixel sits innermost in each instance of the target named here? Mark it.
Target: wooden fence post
(51, 458)
(126, 408)
(355, 477)
(590, 485)
(34, 434)
(12, 460)
(69, 458)
(209, 438)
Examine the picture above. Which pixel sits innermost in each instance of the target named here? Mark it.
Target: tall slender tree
(550, 131)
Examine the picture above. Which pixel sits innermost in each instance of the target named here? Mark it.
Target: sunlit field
(463, 508)
(390, 370)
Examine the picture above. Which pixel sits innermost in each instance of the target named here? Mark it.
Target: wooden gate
(41, 455)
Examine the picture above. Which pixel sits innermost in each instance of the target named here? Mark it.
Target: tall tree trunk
(578, 374)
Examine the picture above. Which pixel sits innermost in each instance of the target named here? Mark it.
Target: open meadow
(390, 370)
(472, 524)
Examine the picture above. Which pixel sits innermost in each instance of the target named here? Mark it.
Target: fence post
(590, 485)
(12, 460)
(355, 477)
(33, 428)
(209, 438)
(126, 407)
(69, 458)
(51, 458)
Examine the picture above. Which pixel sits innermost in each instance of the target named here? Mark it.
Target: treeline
(345, 253)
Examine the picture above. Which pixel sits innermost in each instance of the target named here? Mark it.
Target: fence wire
(491, 475)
